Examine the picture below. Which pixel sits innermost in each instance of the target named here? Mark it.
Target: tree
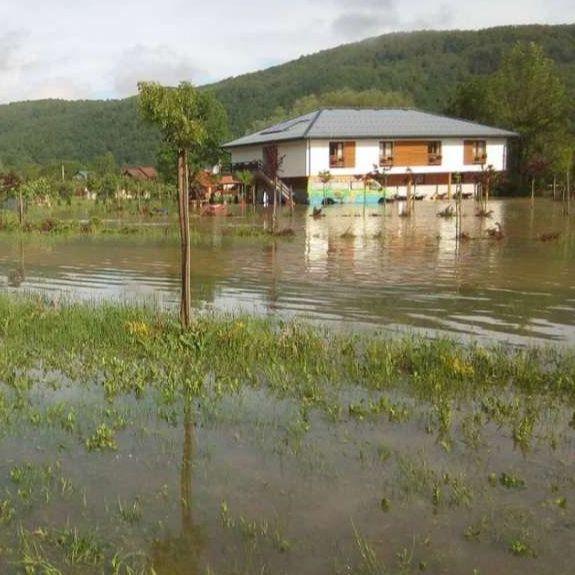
(526, 94)
(183, 116)
(33, 189)
(325, 178)
(247, 180)
(107, 188)
(105, 164)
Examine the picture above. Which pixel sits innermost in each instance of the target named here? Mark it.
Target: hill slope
(425, 65)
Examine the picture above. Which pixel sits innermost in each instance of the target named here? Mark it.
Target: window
(385, 153)
(336, 154)
(475, 151)
(342, 154)
(479, 152)
(434, 153)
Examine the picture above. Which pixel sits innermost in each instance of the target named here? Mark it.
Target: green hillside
(424, 66)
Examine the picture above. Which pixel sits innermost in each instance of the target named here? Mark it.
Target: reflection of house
(427, 149)
(141, 173)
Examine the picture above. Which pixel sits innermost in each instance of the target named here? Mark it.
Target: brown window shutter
(349, 154)
(410, 153)
(468, 152)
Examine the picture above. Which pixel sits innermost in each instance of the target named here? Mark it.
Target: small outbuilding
(141, 173)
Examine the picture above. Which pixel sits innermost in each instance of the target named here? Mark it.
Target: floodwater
(240, 487)
(251, 483)
(356, 267)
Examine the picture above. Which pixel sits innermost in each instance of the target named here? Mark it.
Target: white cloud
(159, 64)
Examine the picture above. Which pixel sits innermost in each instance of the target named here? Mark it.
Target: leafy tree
(104, 164)
(183, 116)
(33, 190)
(325, 178)
(107, 188)
(247, 181)
(526, 94)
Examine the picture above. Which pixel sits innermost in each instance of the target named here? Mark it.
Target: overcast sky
(101, 48)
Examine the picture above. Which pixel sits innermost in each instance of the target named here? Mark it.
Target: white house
(433, 152)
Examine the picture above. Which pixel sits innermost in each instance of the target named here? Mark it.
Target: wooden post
(449, 186)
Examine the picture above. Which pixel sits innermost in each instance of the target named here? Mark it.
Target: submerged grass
(80, 373)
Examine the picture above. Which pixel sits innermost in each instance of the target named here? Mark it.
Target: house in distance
(401, 144)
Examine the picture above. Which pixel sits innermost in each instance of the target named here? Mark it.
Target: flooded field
(246, 447)
(249, 445)
(357, 267)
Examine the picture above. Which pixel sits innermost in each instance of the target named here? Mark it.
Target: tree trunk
(408, 198)
(568, 189)
(554, 188)
(275, 208)
(532, 192)
(184, 219)
(20, 208)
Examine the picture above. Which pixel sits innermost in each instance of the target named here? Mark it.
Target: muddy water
(246, 484)
(386, 270)
(238, 486)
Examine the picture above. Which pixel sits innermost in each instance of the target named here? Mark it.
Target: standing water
(360, 267)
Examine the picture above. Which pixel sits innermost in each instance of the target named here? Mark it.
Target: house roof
(369, 123)
(141, 172)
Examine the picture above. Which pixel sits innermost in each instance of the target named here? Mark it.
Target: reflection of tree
(273, 294)
(18, 275)
(179, 554)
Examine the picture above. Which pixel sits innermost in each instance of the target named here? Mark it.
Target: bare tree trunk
(184, 219)
(275, 208)
(408, 198)
(20, 208)
(568, 190)
(532, 192)
(554, 188)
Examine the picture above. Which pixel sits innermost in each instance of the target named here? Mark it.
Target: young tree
(247, 180)
(183, 115)
(325, 178)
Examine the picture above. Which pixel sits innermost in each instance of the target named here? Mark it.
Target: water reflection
(180, 554)
(354, 266)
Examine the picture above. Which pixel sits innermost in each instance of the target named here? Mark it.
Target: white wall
(367, 155)
(247, 154)
(294, 159)
(300, 161)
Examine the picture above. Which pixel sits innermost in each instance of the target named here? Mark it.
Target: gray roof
(364, 123)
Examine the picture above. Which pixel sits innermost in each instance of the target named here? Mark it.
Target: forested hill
(424, 66)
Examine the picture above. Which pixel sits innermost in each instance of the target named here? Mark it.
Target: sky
(76, 49)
